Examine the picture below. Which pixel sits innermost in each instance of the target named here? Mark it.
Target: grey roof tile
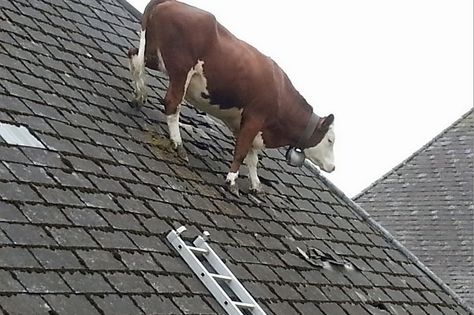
(4, 239)
(133, 205)
(27, 234)
(259, 289)
(59, 196)
(166, 284)
(8, 283)
(107, 184)
(72, 237)
(42, 157)
(192, 305)
(24, 304)
(56, 259)
(332, 308)
(85, 217)
(116, 305)
(19, 192)
(139, 261)
(44, 214)
(142, 191)
(156, 304)
(98, 200)
(44, 282)
(17, 257)
(11, 213)
(96, 259)
(87, 282)
(156, 225)
(71, 304)
(281, 308)
(308, 308)
(4, 173)
(12, 154)
(12, 63)
(70, 179)
(129, 283)
(35, 123)
(123, 221)
(262, 272)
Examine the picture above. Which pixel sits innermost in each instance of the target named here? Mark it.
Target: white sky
(394, 73)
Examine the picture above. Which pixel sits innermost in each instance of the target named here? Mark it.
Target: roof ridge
(389, 237)
(413, 155)
(130, 8)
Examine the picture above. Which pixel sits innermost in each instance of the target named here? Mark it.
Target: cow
(231, 80)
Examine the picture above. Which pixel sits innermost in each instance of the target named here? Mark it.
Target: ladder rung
(198, 250)
(244, 305)
(220, 277)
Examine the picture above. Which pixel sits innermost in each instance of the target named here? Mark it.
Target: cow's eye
(330, 141)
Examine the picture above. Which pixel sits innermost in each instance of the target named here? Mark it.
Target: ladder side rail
(198, 268)
(235, 285)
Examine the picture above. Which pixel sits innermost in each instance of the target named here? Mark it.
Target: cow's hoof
(134, 103)
(139, 100)
(181, 152)
(257, 190)
(233, 189)
(137, 103)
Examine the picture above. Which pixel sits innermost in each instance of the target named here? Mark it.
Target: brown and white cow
(231, 80)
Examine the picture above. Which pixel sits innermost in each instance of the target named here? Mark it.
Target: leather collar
(309, 130)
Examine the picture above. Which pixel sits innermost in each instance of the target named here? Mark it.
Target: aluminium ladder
(212, 280)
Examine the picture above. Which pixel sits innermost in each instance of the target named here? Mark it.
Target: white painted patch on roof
(19, 135)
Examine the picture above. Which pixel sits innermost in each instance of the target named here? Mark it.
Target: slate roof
(83, 221)
(427, 203)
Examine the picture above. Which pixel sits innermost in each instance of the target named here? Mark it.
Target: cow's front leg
(252, 160)
(247, 133)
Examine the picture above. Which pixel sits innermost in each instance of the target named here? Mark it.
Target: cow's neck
(302, 126)
(289, 126)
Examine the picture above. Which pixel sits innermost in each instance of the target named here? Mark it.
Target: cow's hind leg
(179, 82)
(172, 102)
(252, 160)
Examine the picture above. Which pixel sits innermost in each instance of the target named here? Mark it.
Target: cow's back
(234, 70)
(178, 25)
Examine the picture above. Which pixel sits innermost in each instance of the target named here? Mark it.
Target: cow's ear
(328, 121)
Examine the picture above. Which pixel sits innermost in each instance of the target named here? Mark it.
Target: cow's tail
(137, 56)
(136, 60)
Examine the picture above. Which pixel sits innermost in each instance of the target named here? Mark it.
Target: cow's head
(322, 154)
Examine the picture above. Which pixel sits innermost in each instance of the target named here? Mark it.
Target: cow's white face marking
(197, 87)
(323, 153)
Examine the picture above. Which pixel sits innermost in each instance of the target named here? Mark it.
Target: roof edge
(413, 155)
(130, 8)
(389, 237)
